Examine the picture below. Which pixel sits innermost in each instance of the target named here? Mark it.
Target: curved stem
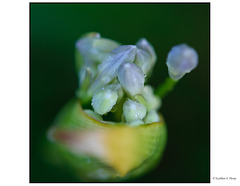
(167, 86)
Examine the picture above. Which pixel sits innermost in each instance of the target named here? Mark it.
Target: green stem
(163, 89)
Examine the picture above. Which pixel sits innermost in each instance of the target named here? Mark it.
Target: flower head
(112, 80)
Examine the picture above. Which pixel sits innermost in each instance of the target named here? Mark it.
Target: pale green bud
(108, 68)
(93, 114)
(117, 88)
(103, 100)
(133, 111)
(148, 99)
(152, 116)
(135, 123)
(181, 59)
(131, 78)
(154, 102)
(147, 47)
(85, 77)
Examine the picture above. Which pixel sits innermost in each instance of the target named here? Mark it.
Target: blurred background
(54, 29)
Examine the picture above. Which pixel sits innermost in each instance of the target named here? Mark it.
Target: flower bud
(143, 60)
(120, 55)
(133, 111)
(103, 100)
(152, 116)
(181, 59)
(85, 76)
(135, 123)
(147, 47)
(131, 78)
(107, 70)
(153, 102)
(91, 50)
(93, 114)
(117, 88)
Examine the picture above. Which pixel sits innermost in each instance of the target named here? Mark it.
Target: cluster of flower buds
(113, 76)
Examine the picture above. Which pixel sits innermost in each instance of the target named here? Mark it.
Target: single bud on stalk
(103, 100)
(133, 111)
(131, 78)
(152, 116)
(181, 59)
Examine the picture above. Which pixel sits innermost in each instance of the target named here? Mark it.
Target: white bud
(131, 78)
(133, 111)
(181, 59)
(143, 60)
(147, 47)
(93, 48)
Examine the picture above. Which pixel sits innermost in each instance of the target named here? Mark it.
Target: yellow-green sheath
(105, 151)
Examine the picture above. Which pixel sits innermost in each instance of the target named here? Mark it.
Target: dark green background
(54, 30)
